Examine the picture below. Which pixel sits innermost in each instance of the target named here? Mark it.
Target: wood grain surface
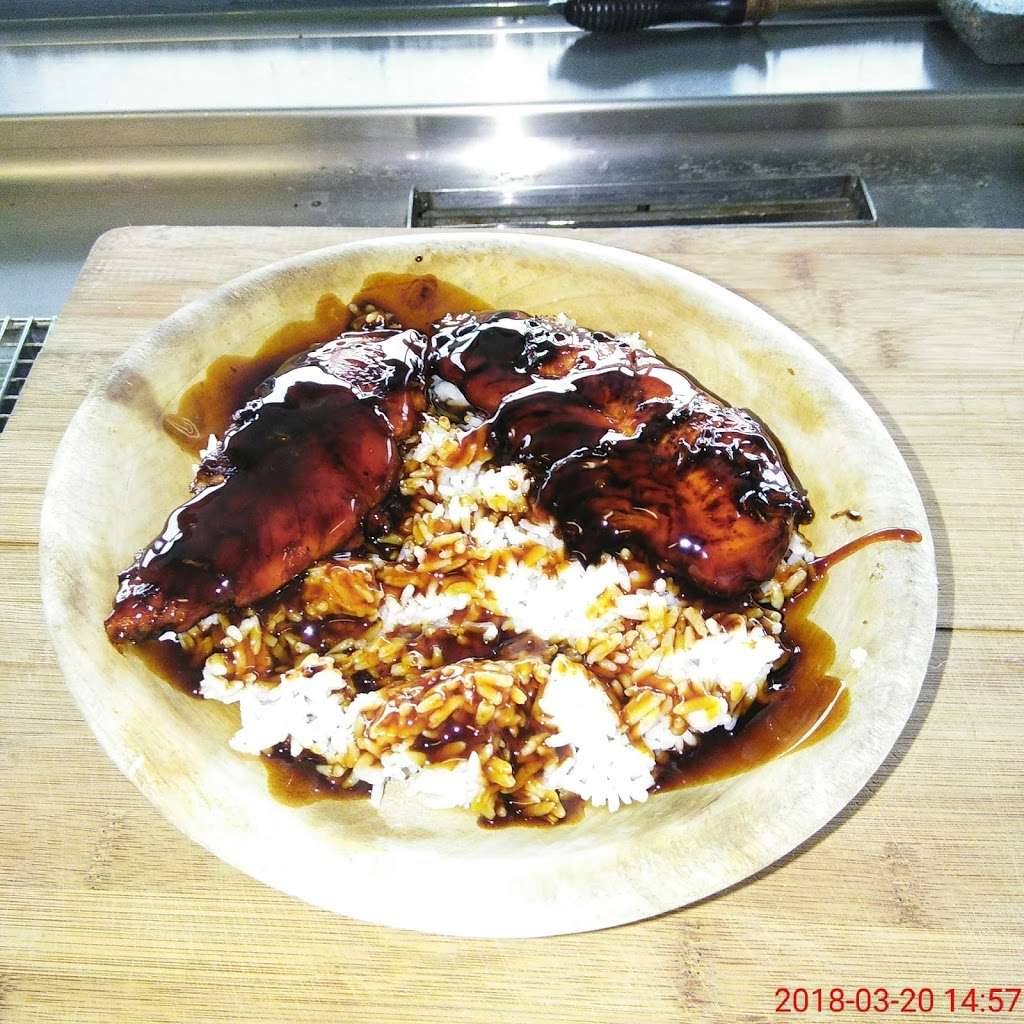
(107, 913)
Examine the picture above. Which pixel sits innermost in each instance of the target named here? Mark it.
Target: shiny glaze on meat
(207, 407)
(804, 702)
(627, 450)
(414, 301)
(300, 466)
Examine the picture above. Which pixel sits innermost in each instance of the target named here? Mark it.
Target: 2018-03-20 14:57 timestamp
(907, 1000)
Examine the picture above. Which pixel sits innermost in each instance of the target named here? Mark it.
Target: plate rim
(236, 290)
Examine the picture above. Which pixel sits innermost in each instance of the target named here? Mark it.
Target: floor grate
(21, 338)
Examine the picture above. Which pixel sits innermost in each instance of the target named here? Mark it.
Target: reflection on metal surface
(373, 9)
(63, 181)
(21, 338)
(511, 152)
(287, 123)
(807, 201)
(377, 72)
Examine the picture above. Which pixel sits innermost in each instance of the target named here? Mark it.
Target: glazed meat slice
(626, 450)
(291, 480)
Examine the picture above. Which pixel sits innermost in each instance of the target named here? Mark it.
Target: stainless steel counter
(298, 120)
(472, 64)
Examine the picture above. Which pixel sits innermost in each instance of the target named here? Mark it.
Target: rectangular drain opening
(808, 201)
(21, 338)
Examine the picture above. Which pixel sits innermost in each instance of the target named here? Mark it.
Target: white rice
(600, 757)
(566, 606)
(313, 712)
(452, 784)
(413, 609)
(601, 764)
(743, 657)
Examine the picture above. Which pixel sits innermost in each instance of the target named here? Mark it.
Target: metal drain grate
(21, 338)
(820, 200)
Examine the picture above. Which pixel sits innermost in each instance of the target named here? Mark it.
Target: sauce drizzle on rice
(461, 655)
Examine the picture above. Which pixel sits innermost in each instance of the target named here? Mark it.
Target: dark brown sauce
(323, 634)
(456, 648)
(416, 300)
(805, 702)
(297, 783)
(460, 728)
(206, 407)
(573, 806)
(169, 660)
(504, 647)
(826, 562)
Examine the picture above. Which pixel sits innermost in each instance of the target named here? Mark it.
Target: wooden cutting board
(109, 914)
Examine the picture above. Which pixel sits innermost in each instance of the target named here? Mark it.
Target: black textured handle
(630, 15)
